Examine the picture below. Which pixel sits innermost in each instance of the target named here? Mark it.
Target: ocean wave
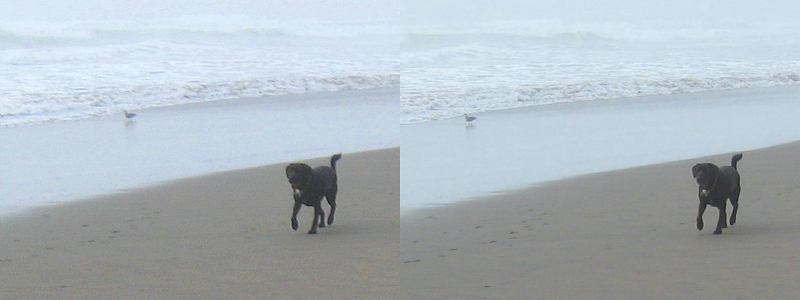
(436, 105)
(24, 33)
(100, 36)
(21, 108)
(78, 69)
(449, 70)
(551, 30)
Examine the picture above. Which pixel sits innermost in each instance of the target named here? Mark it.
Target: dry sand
(627, 234)
(220, 236)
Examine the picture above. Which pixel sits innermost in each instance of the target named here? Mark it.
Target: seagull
(129, 114)
(469, 119)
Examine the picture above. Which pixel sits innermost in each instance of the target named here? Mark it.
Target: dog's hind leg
(318, 215)
(332, 201)
(315, 223)
(723, 220)
(321, 215)
(735, 204)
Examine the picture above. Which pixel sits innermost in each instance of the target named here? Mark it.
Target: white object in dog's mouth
(704, 192)
(297, 191)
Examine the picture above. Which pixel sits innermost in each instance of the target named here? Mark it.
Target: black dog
(309, 186)
(717, 185)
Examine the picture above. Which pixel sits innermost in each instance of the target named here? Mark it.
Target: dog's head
(299, 176)
(706, 176)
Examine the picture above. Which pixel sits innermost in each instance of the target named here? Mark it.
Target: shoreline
(28, 211)
(624, 234)
(513, 149)
(220, 235)
(249, 100)
(414, 212)
(78, 159)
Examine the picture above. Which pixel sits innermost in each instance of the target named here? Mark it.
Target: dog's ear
(306, 169)
(694, 170)
(291, 169)
(299, 171)
(295, 169)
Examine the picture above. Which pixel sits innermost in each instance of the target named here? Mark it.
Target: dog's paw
(321, 224)
(330, 219)
(312, 231)
(699, 225)
(294, 224)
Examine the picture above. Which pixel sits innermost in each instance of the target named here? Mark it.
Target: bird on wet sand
(469, 119)
(128, 114)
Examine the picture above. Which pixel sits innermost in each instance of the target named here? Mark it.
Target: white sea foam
(79, 69)
(449, 70)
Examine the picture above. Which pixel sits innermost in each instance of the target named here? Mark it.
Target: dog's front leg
(723, 220)
(700, 210)
(317, 212)
(295, 210)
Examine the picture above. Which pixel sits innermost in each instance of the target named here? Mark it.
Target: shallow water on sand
(62, 161)
(448, 161)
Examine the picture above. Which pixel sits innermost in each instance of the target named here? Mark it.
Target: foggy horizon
(632, 11)
(415, 11)
(328, 10)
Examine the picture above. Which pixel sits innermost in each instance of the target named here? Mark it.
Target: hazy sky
(673, 11)
(335, 10)
(415, 11)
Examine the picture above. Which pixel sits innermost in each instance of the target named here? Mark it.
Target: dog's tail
(334, 158)
(735, 159)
